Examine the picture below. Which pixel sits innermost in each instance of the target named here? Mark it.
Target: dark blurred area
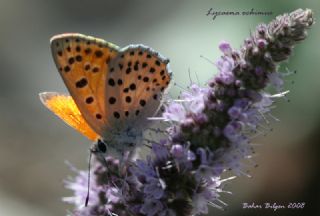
(34, 144)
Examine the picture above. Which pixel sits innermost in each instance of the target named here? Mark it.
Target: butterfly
(112, 90)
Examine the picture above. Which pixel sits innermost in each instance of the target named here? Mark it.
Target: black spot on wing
(128, 99)
(145, 79)
(81, 83)
(71, 60)
(98, 116)
(89, 100)
(79, 58)
(112, 100)
(87, 51)
(142, 102)
(95, 69)
(116, 115)
(98, 53)
(66, 69)
(111, 82)
(152, 70)
(132, 87)
(87, 67)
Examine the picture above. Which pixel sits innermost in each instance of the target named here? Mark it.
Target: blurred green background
(34, 143)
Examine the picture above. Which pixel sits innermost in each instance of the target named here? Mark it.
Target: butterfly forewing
(138, 77)
(65, 108)
(83, 63)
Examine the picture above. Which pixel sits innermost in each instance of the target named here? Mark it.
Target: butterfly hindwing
(137, 79)
(65, 108)
(83, 63)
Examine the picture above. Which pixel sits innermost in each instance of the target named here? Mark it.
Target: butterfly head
(105, 148)
(101, 146)
(117, 144)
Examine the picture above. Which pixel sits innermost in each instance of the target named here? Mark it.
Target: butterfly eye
(102, 146)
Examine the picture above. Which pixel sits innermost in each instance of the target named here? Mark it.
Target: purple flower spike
(235, 112)
(276, 80)
(262, 43)
(154, 188)
(206, 133)
(174, 112)
(151, 207)
(225, 47)
(177, 151)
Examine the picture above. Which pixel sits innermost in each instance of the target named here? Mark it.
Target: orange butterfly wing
(83, 63)
(65, 108)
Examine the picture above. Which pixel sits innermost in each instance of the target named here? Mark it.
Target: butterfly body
(124, 140)
(113, 91)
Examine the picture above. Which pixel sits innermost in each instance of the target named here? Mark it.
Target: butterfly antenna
(89, 171)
